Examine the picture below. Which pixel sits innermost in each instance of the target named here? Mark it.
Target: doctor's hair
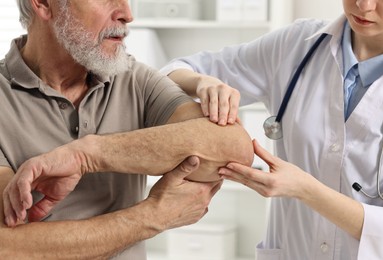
(26, 11)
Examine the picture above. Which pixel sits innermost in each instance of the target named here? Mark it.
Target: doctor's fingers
(242, 173)
(247, 179)
(212, 104)
(234, 106)
(220, 103)
(228, 103)
(204, 99)
(262, 182)
(262, 153)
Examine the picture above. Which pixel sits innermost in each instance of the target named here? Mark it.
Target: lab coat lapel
(365, 118)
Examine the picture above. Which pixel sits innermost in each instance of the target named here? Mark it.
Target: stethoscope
(356, 186)
(273, 125)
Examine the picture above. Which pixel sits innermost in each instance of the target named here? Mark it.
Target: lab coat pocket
(268, 254)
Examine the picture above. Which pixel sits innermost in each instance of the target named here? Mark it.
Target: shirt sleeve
(160, 94)
(3, 160)
(371, 242)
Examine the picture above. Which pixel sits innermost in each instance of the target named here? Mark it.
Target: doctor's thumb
(263, 153)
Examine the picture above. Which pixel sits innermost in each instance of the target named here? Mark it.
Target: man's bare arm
(104, 236)
(213, 144)
(150, 151)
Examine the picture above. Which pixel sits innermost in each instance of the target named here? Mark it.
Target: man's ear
(42, 8)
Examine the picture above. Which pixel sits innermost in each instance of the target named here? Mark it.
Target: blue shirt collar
(369, 70)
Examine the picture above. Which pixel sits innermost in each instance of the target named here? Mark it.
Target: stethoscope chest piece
(273, 128)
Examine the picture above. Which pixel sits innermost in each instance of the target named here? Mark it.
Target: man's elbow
(242, 147)
(226, 144)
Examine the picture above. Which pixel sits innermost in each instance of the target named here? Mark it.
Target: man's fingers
(186, 167)
(216, 188)
(15, 203)
(41, 209)
(10, 215)
(25, 192)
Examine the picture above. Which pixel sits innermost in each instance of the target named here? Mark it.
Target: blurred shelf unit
(183, 27)
(198, 24)
(211, 14)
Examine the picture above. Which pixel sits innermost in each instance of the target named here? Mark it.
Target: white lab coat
(315, 136)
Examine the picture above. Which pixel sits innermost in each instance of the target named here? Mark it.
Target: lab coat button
(335, 147)
(324, 247)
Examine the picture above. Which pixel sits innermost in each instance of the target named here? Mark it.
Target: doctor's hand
(283, 179)
(177, 201)
(219, 101)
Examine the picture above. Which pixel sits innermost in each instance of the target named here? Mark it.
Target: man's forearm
(98, 238)
(95, 238)
(101, 237)
(160, 149)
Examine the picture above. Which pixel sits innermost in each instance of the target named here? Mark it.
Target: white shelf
(279, 13)
(227, 185)
(198, 24)
(162, 256)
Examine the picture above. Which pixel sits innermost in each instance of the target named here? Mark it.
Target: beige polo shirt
(34, 119)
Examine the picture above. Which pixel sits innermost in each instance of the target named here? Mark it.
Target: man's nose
(122, 12)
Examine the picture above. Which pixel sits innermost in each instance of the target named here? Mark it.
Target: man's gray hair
(27, 13)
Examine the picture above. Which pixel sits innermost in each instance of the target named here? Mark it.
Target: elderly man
(74, 101)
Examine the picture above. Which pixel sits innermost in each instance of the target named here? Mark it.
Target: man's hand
(178, 202)
(54, 174)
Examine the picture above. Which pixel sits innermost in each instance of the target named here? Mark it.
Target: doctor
(331, 128)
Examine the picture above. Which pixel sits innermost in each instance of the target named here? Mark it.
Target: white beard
(79, 43)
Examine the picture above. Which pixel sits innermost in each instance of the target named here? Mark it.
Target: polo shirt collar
(19, 72)
(22, 75)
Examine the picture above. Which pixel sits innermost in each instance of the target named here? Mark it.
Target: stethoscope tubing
(296, 76)
(273, 124)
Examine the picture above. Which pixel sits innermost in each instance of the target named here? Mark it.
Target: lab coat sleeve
(254, 68)
(246, 67)
(371, 242)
